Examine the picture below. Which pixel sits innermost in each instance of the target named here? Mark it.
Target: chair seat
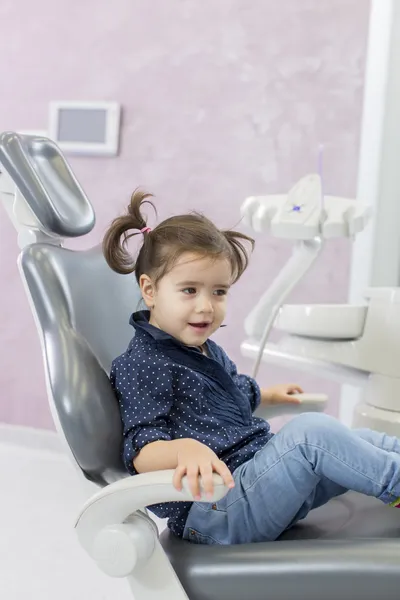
(348, 548)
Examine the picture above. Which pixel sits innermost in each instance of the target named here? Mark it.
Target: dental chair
(350, 547)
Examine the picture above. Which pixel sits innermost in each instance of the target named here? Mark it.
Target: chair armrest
(114, 504)
(131, 494)
(308, 403)
(124, 542)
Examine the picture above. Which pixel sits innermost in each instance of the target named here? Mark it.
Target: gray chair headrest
(46, 181)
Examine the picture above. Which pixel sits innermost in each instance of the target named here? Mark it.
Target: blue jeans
(312, 459)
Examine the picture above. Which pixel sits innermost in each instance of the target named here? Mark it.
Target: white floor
(40, 557)
(41, 494)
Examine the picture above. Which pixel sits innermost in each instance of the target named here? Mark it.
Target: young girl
(184, 406)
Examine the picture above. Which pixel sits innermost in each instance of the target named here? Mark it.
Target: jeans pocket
(195, 537)
(205, 524)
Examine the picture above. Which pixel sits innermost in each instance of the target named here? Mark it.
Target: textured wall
(221, 100)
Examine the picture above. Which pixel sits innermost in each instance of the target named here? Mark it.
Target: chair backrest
(82, 310)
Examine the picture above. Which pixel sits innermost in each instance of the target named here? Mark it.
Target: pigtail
(240, 254)
(115, 240)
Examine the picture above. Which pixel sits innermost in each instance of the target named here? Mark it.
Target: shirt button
(214, 507)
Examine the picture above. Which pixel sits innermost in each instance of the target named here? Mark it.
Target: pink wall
(221, 100)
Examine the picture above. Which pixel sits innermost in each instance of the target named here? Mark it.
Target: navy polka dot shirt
(167, 391)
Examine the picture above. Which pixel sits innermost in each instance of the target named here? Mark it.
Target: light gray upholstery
(74, 295)
(349, 548)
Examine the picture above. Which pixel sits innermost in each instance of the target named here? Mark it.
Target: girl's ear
(148, 290)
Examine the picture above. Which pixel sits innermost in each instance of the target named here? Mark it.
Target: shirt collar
(140, 321)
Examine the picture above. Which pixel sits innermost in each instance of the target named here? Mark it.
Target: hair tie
(145, 230)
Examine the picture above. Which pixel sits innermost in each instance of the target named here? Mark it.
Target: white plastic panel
(335, 321)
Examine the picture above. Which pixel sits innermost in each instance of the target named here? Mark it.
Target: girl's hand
(196, 460)
(281, 394)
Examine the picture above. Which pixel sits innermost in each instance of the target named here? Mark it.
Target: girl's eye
(220, 292)
(189, 291)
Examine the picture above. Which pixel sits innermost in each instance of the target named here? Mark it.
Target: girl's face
(189, 302)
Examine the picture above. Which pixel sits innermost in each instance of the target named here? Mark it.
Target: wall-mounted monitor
(85, 128)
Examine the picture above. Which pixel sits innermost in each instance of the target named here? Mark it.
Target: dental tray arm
(118, 535)
(260, 321)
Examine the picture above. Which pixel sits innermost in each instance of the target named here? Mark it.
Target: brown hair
(163, 245)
